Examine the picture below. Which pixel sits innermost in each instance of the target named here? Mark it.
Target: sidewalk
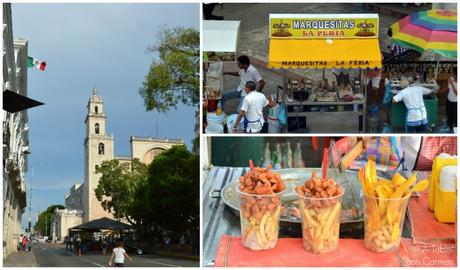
(24, 259)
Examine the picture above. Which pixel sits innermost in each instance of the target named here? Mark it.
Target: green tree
(117, 186)
(174, 78)
(169, 198)
(45, 219)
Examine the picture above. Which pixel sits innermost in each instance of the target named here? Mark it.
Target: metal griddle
(352, 203)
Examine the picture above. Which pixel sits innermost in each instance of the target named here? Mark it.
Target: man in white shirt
(246, 73)
(252, 109)
(412, 96)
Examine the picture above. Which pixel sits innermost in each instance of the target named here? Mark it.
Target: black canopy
(102, 224)
(13, 102)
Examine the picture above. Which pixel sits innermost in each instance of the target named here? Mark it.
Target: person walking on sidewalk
(119, 254)
(20, 244)
(29, 244)
(66, 242)
(104, 246)
(24, 244)
(78, 246)
(247, 73)
(71, 242)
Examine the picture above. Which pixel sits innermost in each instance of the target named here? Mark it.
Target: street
(52, 255)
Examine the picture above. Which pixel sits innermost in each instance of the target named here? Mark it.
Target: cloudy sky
(86, 45)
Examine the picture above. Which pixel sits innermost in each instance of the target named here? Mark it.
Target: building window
(96, 167)
(101, 149)
(96, 109)
(96, 128)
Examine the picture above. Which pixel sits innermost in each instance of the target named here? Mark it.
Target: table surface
(218, 219)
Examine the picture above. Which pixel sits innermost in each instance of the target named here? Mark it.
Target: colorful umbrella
(434, 30)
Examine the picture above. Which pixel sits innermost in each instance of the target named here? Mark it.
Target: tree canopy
(162, 195)
(118, 184)
(174, 78)
(45, 219)
(172, 190)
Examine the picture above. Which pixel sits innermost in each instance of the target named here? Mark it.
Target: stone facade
(63, 220)
(15, 135)
(74, 200)
(145, 149)
(100, 147)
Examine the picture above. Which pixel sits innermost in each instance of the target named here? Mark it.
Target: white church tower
(98, 147)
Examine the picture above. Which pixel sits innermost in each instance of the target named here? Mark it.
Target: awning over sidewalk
(324, 53)
(101, 224)
(14, 102)
(220, 40)
(220, 36)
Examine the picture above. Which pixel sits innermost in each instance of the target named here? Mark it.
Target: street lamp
(35, 164)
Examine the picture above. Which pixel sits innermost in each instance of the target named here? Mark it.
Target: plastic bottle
(219, 108)
(287, 155)
(298, 161)
(276, 157)
(267, 155)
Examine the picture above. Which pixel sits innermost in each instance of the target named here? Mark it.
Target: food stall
(220, 41)
(310, 42)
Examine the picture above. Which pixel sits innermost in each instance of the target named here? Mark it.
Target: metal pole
(30, 196)
(30, 199)
(46, 224)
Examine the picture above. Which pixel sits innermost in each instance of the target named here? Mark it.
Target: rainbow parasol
(434, 30)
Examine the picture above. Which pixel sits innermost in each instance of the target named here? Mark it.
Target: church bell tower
(98, 147)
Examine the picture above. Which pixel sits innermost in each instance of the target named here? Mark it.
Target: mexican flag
(35, 63)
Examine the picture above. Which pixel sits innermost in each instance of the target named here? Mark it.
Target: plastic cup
(383, 222)
(260, 217)
(320, 222)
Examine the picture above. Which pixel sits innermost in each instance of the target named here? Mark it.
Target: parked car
(132, 250)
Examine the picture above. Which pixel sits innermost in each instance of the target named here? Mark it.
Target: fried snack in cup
(260, 206)
(320, 206)
(385, 204)
(386, 235)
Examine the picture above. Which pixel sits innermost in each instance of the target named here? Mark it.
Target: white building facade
(15, 136)
(63, 220)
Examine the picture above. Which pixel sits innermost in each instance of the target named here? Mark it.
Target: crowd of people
(81, 247)
(24, 243)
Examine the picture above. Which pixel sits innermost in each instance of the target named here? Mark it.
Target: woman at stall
(412, 96)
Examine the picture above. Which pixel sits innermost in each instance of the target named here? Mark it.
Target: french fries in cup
(382, 233)
(320, 207)
(260, 205)
(385, 204)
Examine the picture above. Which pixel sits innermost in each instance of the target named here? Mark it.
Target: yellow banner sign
(328, 26)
